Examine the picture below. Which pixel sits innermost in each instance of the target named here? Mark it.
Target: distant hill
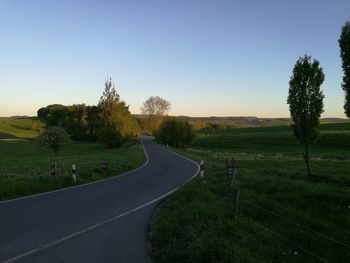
(19, 127)
(333, 120)
(23, 117)
(29, 127)
(242, 121)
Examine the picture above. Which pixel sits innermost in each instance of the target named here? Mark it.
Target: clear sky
(207, 57)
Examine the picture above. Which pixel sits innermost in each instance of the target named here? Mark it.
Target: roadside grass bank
(285, 216)
(25, 166)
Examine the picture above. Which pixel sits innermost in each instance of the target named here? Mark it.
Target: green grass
(25, 166)
(17, 128)
(282, 211)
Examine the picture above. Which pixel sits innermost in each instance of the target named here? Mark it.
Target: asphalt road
(106, 221)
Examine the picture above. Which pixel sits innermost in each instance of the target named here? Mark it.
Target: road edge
(166, 196)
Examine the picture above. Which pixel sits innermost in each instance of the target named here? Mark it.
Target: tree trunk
(307, 160)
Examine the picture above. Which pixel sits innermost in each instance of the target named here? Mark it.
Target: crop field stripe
(297, 224)
(320, 258)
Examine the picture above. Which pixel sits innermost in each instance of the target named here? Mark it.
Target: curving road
(106, 221)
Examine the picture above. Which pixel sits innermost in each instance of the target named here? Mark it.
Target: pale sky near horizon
(208, 58)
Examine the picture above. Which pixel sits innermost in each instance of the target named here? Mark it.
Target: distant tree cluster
(109, 122)
(198, 125)
(80, 121)
(175, 133)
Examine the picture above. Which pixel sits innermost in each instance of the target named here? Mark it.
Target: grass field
(284, 215)
(18, 128)
(25, 166)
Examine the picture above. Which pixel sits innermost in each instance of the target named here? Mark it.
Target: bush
(110, 136)
(130, 127)
(54, 137)
(175, 133)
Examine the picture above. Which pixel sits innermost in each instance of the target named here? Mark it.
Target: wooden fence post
(232, 173)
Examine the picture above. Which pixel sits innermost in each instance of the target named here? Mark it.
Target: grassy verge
(25, 166)
(284, 215)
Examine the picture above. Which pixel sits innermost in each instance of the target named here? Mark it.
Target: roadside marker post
(201, 166)
(74, 173)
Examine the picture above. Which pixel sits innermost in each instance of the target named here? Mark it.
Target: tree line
(110, 122)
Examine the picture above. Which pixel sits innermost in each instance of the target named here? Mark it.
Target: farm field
(21, 127)
(25, 166)
(284, 216)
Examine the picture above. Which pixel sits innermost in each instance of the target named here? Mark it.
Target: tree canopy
(54, 137)
(305, 101)
(80, 121)
(155, 108)
(117, 122)
(344, 44)
(111, 119)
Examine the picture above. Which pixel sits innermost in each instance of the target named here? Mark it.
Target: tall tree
(118, 124)
(306, 102)
(110, 134)
(155, 108)
(344, 44)
(109, 103)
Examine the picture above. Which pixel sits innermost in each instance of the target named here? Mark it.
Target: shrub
(175, 133)
(54, 137)
(110, 136)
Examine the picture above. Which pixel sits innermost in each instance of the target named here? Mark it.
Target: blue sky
(222, 58)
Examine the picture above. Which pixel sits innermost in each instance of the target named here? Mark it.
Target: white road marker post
(201, 166)
(74, 173)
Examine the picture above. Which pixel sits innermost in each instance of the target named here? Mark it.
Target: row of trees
(110, 121)
(80, 121)
(305, 97)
